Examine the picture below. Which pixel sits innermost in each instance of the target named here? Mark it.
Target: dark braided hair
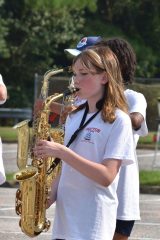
(125, 54)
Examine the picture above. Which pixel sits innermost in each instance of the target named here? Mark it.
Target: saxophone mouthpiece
(70, 91)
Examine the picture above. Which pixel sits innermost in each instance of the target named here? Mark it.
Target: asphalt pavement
(148, 228)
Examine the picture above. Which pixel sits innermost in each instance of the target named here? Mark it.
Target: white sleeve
(120, 144)
(137, 103)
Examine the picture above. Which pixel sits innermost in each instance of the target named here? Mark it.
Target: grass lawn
(8, 134)
(151, 178)
(10, 176)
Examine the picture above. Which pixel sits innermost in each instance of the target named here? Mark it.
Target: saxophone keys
(18, 204)
(47, 225)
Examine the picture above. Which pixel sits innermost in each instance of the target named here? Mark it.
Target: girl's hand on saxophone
(46, 148)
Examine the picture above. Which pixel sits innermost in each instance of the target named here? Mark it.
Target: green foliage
(139, 22)
(34, 33)
(59, 4)
(4, 52)
(34, 45)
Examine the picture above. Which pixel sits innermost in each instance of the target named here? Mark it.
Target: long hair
(125, 54)
(102, 59)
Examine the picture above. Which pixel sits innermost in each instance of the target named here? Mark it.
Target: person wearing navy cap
(83, 44)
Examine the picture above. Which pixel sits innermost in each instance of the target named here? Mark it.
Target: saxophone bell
(34, 181)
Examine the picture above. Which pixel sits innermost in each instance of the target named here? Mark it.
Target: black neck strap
(82, 125)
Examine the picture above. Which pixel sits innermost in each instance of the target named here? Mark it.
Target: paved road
(146, 229)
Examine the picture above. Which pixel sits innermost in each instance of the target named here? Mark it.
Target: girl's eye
(84, 73)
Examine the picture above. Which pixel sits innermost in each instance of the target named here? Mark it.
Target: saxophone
(34, 182)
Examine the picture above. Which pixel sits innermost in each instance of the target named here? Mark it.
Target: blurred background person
(3, 98)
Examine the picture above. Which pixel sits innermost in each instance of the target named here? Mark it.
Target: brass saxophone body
(34, 182)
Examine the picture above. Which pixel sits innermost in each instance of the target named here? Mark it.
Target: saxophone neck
(47, 76)
(50, 99)
(56, 97)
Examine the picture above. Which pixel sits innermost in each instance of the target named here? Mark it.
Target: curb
(10, 184)
(150, 189)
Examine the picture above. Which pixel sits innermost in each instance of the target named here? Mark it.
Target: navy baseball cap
(84, 43)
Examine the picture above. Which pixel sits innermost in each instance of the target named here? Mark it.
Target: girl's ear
(104, 79)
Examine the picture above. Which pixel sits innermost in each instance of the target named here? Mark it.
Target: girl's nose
(75, 79)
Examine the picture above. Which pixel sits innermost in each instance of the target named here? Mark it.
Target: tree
(139, 23)
(33, 39)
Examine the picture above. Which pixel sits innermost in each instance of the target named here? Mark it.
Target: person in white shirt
(128, 186)
(85, 192)
(3, 97)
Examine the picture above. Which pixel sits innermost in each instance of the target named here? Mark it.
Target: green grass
(151, 178)
(8, 134)
(10, 176)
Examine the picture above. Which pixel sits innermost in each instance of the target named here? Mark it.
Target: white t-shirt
(128, 185)
(86, 210)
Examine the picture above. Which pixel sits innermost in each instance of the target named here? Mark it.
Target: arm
(3, 91)
(53, 193)
(61, 109)
(136, 119)
(56, 107)
(102, 174)
(137, 108)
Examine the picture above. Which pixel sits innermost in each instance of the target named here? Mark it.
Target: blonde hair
(103, 59)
